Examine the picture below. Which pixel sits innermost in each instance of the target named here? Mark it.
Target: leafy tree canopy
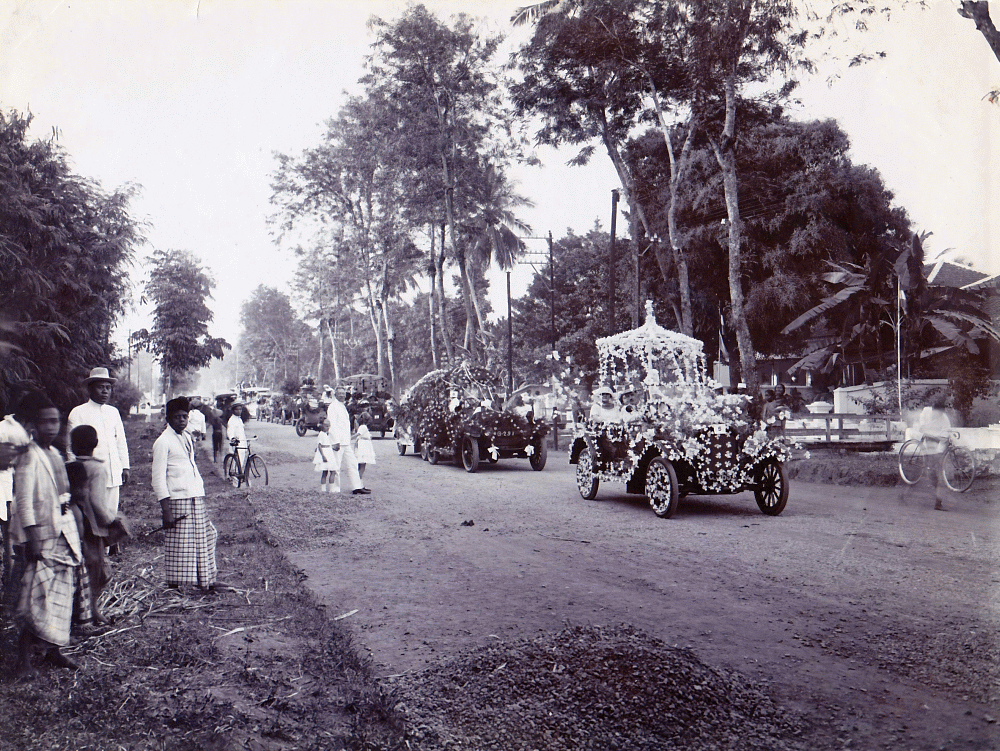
(65, 249)
(179, 289)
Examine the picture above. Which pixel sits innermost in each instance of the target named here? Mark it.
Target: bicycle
(239, 472)
(958, 464)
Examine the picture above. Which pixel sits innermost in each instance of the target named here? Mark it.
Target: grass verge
(257, 665)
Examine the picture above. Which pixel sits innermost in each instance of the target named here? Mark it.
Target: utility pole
(552, 291)
(510, 343)
(611, 263)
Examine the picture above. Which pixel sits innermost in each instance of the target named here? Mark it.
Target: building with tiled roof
(943, 273)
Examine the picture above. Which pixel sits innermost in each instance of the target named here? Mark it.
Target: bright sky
(190, 100)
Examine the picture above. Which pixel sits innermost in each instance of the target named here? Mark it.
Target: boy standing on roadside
(47, 527)
(88, 480)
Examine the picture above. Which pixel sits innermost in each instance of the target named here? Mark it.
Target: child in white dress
(363, 448)
(327, 461)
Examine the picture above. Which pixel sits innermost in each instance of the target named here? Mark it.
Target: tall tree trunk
(322, 347)
(637, 214)
(443, 303)
(390, 335)
(678, 166)
(376, 321)
(473, 295)
(677, 169)
(724, 149)
(470, 311)
(447, 163)
(333, 348)
(432, 271)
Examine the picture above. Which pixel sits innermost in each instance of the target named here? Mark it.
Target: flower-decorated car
(455, 413)
(675, 432)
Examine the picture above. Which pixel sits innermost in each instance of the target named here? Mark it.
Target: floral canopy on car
(652, 355)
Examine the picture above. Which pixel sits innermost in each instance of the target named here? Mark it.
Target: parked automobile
(310, 410)
(455, 413)
(369, 394)
(672, 431)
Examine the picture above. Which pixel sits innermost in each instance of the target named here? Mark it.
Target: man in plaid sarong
(47, 529)
(190, 537)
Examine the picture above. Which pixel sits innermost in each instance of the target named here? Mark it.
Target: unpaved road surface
(862, 608)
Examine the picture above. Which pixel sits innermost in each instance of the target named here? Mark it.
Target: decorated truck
(670, 429)
(455, 413)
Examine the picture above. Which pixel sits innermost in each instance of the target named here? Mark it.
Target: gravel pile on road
(588, 688)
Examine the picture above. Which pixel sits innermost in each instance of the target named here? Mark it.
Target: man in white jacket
(189, 555)
(340, 435)
(112, 447)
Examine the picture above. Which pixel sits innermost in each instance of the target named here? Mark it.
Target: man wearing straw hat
(112, 448)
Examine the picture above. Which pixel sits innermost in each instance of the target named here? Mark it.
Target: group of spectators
(61, 518)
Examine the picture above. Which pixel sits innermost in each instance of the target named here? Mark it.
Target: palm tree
(531, 13)
(494, 229)
(891, 290)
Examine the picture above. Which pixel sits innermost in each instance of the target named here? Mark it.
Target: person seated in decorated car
(605, 408)
(631, 408)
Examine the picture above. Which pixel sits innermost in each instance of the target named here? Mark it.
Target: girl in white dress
(363, 448)
(327, 461)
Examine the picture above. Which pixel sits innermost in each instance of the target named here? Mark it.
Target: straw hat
(99, 374)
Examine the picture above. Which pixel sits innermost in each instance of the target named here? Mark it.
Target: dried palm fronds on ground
(588, 688)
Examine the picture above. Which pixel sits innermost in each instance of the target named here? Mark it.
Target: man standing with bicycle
(934, 425)
(189, 554)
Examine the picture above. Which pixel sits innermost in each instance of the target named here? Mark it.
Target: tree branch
(979, 12)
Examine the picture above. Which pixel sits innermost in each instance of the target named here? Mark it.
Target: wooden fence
(845, 427)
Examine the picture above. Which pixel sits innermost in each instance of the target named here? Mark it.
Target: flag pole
(899, 357)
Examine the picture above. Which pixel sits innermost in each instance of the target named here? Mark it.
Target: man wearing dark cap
(112, 448)
(189, 555)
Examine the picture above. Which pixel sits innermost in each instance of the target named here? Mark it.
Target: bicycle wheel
(958, 468)
(911, 461)
(256, 470)
(231, 470)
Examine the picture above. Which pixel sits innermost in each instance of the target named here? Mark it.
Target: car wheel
(771, 487)
(470, 454)
(586, 480)
(401, 448)
(540, 455)
(300, 428)
(661, 487)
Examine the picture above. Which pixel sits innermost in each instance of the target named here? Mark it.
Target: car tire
(662, 487)
(470, 454)
(586, 480)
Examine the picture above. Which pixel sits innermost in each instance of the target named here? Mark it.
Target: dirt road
(862, 607)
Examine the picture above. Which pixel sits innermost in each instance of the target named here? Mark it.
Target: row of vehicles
(367, 395)
(678, 432)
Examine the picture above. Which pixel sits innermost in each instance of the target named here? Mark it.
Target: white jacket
(175, 472)
(112, 448)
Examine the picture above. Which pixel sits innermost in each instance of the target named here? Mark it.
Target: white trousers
(348, 478)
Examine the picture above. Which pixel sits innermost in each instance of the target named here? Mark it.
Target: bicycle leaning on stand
(248, 471)
(958, 465)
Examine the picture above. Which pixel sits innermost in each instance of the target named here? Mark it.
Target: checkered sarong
(46, 603)
(190, 545)
(83, 604)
